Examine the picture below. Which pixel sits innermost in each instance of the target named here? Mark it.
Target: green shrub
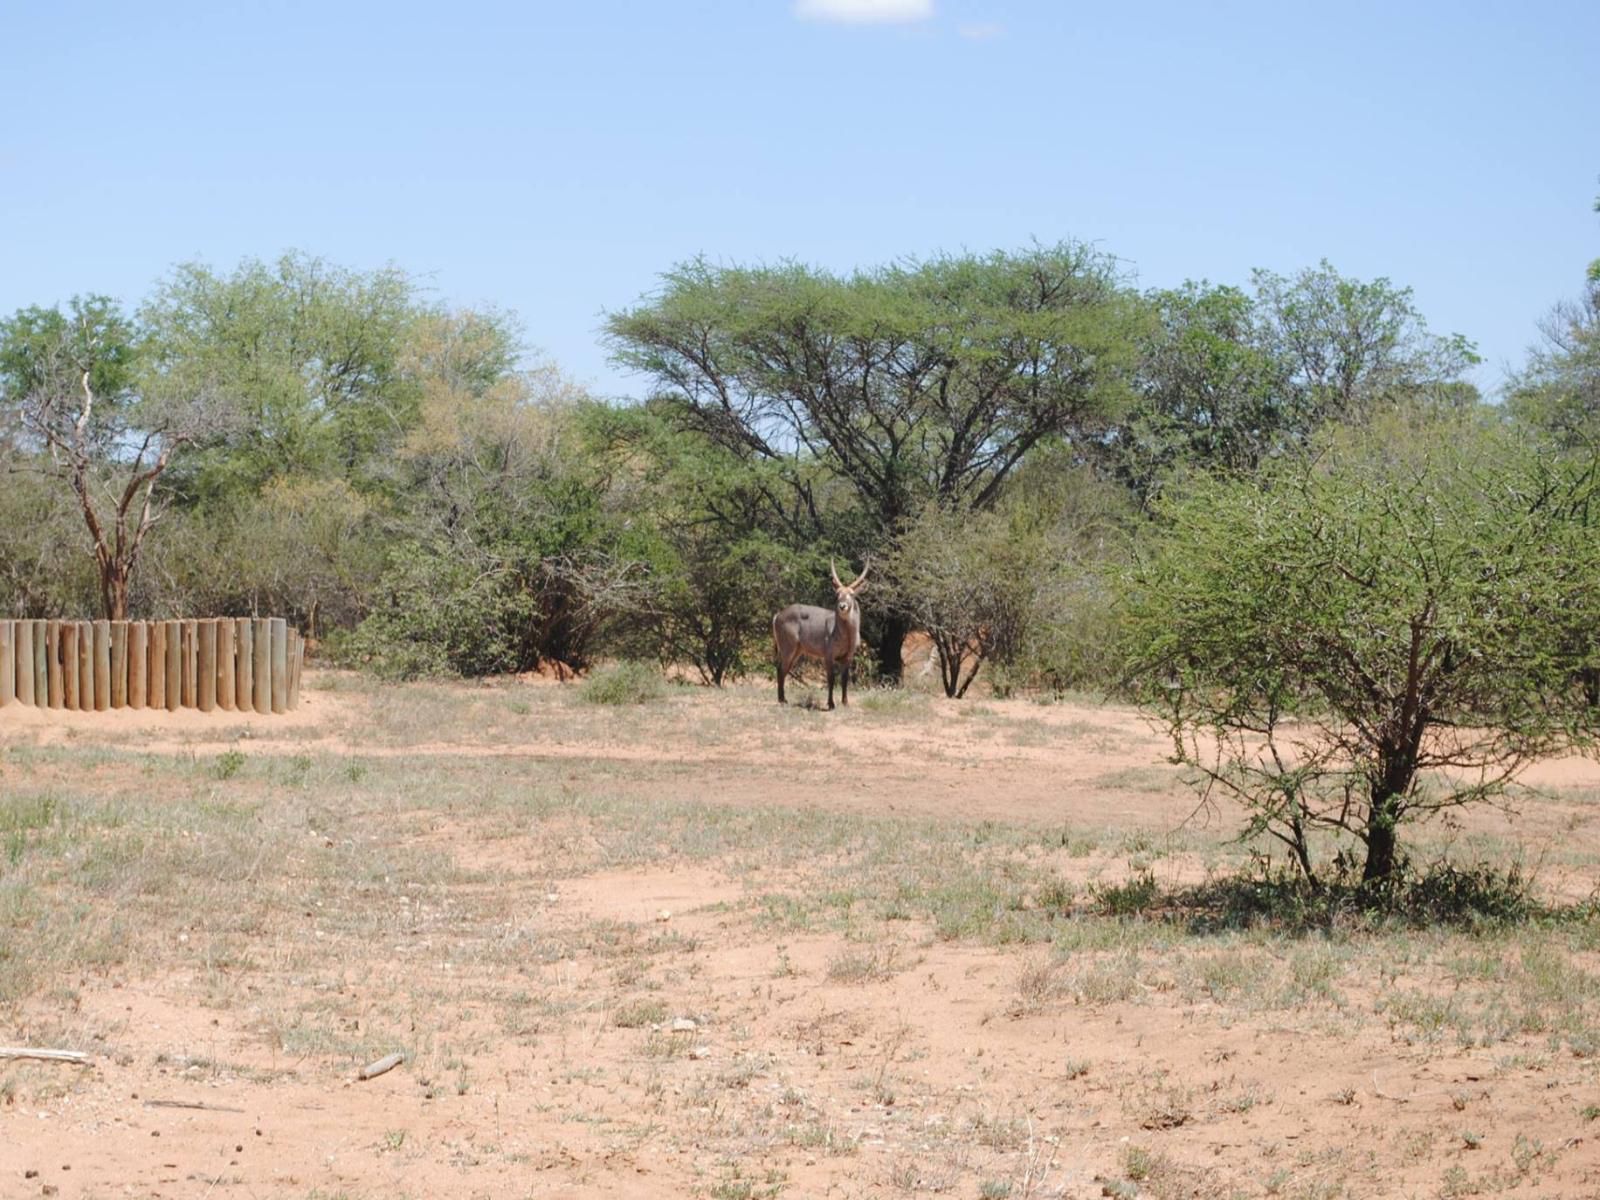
(434, 615)
(624, 683)
(1126, 899)
(228, 764)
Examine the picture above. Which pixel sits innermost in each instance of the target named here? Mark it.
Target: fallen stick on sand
(65, 1056)
(191, 1104)
(387, 1063)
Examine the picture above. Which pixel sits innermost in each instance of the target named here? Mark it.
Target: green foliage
(1471, 896)
(436, 615)
(712, 600)
(910, 382)
(362, 459)
(624, 683)
(1022, 586)
(79, 404)
(228, 764)
(718, 564)
(1212, 393)
(1414, 597)
(45, 350)
(970, 581)
(1558, 392)
(45, 570)
(308, 549)
(310, 353)
(1352, 348)
(508, 556)
(1228, 379)
(888, 389)
(1129, 899)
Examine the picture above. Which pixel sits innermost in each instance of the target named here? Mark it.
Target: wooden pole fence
(235, 664)
(8, 663)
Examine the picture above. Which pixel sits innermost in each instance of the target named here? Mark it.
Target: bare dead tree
(110, 449)
(118, 512)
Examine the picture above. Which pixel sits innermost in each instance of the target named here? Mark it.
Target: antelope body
(830, 634)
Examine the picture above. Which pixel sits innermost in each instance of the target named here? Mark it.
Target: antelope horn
(861, 578)
(834, 571)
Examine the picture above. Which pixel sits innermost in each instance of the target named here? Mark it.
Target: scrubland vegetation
(970, 936)
(1278, 515)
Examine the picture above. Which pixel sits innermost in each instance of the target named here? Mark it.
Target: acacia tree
(1558, 391)
(71, 382)
(971, 582)
(1349, 346)
(701, 525)
(1229, 377)
(910, 384)
(315, 357)
(1212, 392)
(1378, 631)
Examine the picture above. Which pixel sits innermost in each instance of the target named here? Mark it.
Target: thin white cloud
(864, 12)
(982, 32)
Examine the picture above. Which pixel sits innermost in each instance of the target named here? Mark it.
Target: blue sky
(554, 158)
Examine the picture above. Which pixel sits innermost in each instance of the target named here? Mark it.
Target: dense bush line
(1278, 515)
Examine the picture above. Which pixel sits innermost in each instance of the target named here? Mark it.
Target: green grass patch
(624, 683)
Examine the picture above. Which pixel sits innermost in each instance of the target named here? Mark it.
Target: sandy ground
(759, 1062)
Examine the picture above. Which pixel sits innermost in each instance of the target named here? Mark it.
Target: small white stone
(684, 1025)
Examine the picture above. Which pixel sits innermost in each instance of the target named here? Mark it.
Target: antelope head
(849, 611)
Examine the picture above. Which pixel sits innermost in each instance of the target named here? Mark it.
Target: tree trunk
(1380, 853)
(1383, 824)
(889, 647)
(949, 652)
(977, 661)
(114, 590)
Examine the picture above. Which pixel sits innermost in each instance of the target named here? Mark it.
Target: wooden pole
(8, 663)
(158, 664)
(245, 663)
(191, 664)
(225, 682)
(208, 665)
(297, 654)
(52, 649)
(174, 665)
(261, 632)
(102, 665)
(69, 664)
(119, 664)
(86, 665)
(41, 671)
(280, 664)
(27, 680)
(138, 664)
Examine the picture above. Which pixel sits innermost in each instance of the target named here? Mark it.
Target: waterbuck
(829, 634)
